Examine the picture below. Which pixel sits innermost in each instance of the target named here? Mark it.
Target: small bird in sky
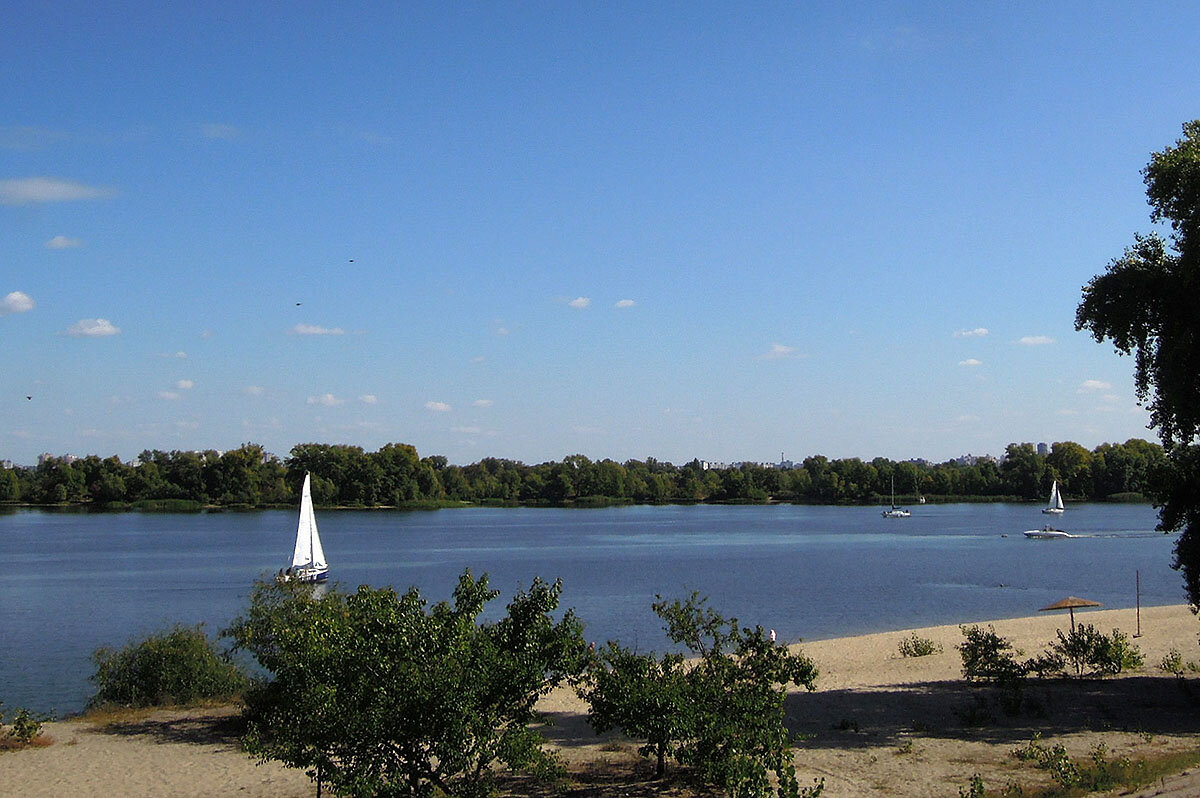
(30, 398)
(298, 304)
(352, 260)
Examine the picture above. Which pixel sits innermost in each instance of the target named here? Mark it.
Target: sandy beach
(878, 725)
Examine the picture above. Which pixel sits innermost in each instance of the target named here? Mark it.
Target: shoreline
(878, 724)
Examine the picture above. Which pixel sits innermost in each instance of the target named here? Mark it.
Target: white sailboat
(308, 559)
(1055, 505)
(895, 512)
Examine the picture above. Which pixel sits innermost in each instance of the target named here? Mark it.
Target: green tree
(644, 695)
(1145, 305)
(378, 694)
(722, 715)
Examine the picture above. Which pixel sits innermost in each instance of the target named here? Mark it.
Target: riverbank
(879, 724)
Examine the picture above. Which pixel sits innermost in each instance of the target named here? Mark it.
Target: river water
(77, 581)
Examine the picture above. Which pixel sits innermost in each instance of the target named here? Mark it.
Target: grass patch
(167, 506)
(1098, 772)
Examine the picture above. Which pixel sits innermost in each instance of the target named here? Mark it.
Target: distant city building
(972, 459)
(46, 457)
(1043, 449)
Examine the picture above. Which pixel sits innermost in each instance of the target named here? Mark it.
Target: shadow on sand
(958, 710)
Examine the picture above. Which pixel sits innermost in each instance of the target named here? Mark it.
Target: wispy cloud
(27, 137)
(978, 332)
(1036, 340)
(438, 407)
(326, 400)
(1088, 386)
(482, 403)
(170, 396)
(34, 190)
(580, 302)
(255, 390)
(16, 302)
(316, 329)
(467, 430)
(970, 362)
(180, 355)
(93, 328)
(780, 352)
(369, 399)
(63, 242)
(217, 130)
(185, 385)
(624, 303)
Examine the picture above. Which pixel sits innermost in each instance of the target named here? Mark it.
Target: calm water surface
(75, 582)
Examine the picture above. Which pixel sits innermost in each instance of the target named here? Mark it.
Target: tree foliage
(1145, 305)
(178, 666)
(722, 714)
(378, 693)
(396, 476)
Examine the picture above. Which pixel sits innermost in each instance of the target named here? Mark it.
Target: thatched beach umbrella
(1070, 603)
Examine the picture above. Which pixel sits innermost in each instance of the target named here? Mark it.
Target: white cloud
(779, 352)
(315, 329)
(16, 302)
(63, 242)
(467, 430)
(369, 399)
(438, 407)
(93, 328)
(216, 130)
(33, 190)
(967, 419)
(185, 385)
(1036, 340)
(579, 302)
(478, 359)
(1094, 385)
(970, 362)
(168, 395)
(327, 400)
(625, 303)
(978, 332)
(180, 355)
(255, 390)
(502, 331)
(483, 403)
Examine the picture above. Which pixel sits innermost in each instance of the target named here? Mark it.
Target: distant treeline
(397, 476)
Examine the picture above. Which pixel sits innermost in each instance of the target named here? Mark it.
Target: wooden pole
(1139, 604)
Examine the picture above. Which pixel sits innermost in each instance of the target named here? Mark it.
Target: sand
(878, 725)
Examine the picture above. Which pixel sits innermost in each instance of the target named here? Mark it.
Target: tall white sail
(1055, 505)
(308, 551)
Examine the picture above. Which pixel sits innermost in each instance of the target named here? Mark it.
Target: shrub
(988, 657)
(179, 666)
(915, 646)
(1172, 662)
(1087, 648)
(25, 730)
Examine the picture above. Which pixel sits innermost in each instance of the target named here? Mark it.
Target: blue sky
(528, 230)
